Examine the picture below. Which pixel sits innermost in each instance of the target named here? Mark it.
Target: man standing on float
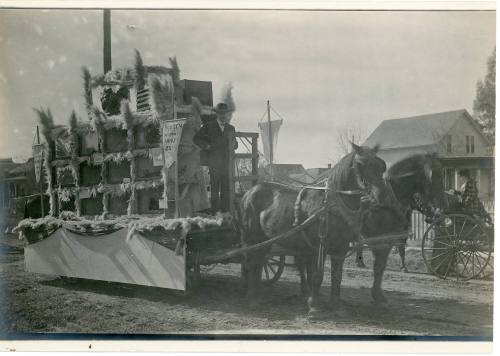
(214, 139)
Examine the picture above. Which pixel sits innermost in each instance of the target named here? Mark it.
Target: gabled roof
(424, 130)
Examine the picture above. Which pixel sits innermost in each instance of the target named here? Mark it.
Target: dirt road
(419, 304)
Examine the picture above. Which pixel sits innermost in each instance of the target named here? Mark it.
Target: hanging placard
(157, 155)
(84, 194)
(163, 204)
(172, 131)
(98, 158)
(37, 160)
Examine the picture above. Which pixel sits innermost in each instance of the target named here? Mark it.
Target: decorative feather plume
(140, 72)
(87, 90)
(227, 97)
(160, 95)
(176, 73)
(196, 108)
(73, 121)
(46, 121)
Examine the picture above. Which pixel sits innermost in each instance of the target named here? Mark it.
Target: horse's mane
(341, 178)
(341, 174)
(407, 165)
(408, 176)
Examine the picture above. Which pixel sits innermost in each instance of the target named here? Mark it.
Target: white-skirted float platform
(112, 257)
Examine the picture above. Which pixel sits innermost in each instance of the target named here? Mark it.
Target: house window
(448, 143)
(469, 144)
(449, 178)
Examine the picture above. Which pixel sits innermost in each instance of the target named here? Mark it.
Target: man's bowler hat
(222, 108)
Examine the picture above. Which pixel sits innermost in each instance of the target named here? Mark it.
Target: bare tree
(344, 136)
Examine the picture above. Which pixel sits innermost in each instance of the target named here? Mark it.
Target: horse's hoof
(379, 298)
(315, 314)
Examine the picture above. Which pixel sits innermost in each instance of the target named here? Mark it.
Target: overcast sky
(321, 70)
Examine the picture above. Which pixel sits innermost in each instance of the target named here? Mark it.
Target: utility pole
(270, 141)
(41, 181)
(107, 40)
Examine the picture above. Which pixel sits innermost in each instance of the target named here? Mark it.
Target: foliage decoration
(140, 72)
(87, 86)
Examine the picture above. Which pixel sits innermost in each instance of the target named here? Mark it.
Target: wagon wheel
(457, 245)
(273, 269)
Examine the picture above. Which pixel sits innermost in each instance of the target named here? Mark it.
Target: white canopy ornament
(264, 131)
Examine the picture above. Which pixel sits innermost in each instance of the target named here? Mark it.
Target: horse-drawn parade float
(128, 199)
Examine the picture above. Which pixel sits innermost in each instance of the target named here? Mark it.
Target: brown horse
(270, 209)
(417, 183)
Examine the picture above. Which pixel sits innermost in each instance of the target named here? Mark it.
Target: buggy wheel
(456, 245)
(273, 269)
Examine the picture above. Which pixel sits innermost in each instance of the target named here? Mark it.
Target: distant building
(453, 135)
(17, 183)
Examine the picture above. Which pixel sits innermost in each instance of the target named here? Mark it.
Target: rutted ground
(419, 304)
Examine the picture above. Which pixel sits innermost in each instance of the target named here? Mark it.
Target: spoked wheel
(458, 246)
(273, 269)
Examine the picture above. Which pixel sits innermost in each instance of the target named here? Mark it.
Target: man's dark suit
(215, 146)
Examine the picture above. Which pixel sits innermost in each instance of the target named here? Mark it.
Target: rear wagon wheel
(457, 245)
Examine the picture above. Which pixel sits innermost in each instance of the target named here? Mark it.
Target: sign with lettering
(38, 160)
(163, 204)
(98, 158)
(172, 131)
(157, 155)
(84, 193)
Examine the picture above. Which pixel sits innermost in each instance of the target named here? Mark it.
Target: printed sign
(84, 193)
(98, 158)
(37, 160)
(163, 204)
(172, 131)
(157, 155)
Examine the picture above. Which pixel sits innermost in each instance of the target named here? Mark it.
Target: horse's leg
(402, 255)
(359, 257)
(316, 281)
(244, 274)
(255, 263)
(381, 254)
(312, 288)
(337, 265)
(301, 266)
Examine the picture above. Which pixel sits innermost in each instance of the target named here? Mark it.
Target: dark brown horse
(417, 183)
(269, 209)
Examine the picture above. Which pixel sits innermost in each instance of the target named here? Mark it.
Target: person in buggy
(467, 199)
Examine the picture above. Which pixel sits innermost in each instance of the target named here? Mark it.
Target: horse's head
(418, 183)
(369, 173)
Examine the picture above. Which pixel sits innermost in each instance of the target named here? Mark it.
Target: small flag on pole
(38, 160)
(264, 132)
